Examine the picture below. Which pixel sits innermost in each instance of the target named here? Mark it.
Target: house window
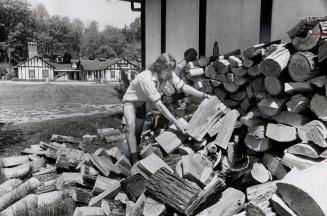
(45, 73)
(112, 74)
(31, 73)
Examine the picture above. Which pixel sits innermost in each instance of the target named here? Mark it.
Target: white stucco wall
(286, 14)
(38, 66)
(233, 23)
(182, 26)
(153, 30)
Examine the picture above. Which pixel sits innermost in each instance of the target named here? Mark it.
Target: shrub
(123, 85)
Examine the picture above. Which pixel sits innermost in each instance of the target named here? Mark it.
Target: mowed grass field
(33, 112)
(36, 102)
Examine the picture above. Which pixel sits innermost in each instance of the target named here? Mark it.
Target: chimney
(32, 49)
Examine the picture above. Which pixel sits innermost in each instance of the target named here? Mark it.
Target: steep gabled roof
(33, 58)
(107, 63)
(89, 65)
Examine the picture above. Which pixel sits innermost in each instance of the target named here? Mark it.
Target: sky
(105, 12)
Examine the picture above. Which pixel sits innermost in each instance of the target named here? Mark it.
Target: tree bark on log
(276, 62)
(172, 190)
(18, 193)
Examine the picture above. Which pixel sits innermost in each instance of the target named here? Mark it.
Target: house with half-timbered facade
(108, 70)
(35, 68)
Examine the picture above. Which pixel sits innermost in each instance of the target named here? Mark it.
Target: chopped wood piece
(254, 71)
(171, 139)
(102, 183)
(259, 209)
(261, 191)
(48, 199)
(134, 186)
(46, 174)
(153, 208)
(322, 52)
(9, 185)
(221, 66)
(89, 174)
(226, 129)
(172, 190)
(24, 205)
(297, 87)
(230, 203)
(280, 206)
(270, 106)
(308, 42)
(304, 25)
(314, 131)
(304, 149)
(208, 113)
(193, 166)
(138, 207)
(110, 192)
(298, 162)
(258, 174)
(276, 62)
(302, 66)
(257, 141)
(64, 139)
(318, 106)
(241, 71)
(104, 165)
(194, 72)
(114, 153)
(298, 104)
(319, 81)
(252, 119)
(274, 165)
(291, 119)
(151, 164)
(81, 195)
(20, 171)
(150, 149)
(281, 133)
(46, 187)
(273, 85)
(13, 161)
(216, 185)
(238, 96)
(18, 193)
(89, 211)
(302, 190)
(106, 207)
(105, 132)
(122, 197)
(235, 62)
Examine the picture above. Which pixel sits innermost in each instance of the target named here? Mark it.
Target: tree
(105, 51)
(91, 40)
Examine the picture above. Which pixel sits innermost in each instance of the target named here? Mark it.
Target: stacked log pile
(257, 147)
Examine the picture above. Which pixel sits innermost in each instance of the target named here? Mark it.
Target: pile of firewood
(258, 148)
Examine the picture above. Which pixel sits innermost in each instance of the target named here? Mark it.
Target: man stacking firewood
(147, 88)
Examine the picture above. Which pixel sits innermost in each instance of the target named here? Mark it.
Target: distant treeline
(55, 35)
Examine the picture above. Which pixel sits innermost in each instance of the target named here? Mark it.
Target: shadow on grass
(14, 138)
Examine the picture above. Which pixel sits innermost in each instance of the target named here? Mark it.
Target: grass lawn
(14, 138)
(37, 102)
(33, 112)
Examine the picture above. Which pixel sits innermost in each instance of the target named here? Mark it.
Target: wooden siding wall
(38, 66)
